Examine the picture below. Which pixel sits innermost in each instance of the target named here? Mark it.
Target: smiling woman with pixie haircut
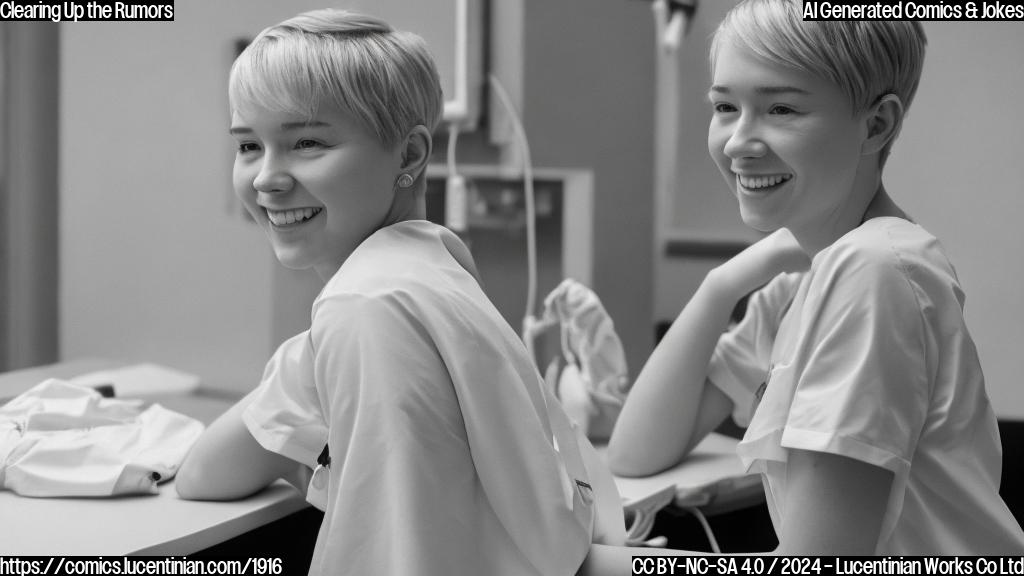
(852, 370)
(409, 412)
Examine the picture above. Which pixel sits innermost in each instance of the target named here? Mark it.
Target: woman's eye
(722, 108)
(307, 144)
(781, 110)
(244, 147)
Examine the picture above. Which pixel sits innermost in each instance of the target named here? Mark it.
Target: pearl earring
(405, 180)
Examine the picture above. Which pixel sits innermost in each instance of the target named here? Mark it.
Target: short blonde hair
(866, 59)
(384, 77)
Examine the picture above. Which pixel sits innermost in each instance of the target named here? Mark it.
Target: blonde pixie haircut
(385, 78)
(865, 59)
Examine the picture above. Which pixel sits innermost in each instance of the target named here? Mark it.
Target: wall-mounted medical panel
(454, 31)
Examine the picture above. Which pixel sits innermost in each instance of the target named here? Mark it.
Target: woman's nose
(272, 177)
(745, 141)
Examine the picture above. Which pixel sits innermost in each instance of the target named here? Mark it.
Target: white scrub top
(867, 355)
(441, 462)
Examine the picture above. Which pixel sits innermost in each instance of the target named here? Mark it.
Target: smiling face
(318, 186)
(787, 142)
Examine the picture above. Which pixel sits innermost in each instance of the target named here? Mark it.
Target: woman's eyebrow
(782, 90)
(718, 89)
(301, 125)
(286, 126)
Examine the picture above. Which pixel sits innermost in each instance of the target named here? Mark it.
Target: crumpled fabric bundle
(595, 380)
(64, 439)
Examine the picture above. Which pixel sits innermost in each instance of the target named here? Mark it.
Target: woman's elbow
(193, 484)
(635, 457)
(188, 484)
(204, 475)
(626, 467)
(618, 457)
(194, 481)
(625, 459)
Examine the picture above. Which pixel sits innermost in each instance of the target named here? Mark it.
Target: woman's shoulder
(775, 297)
(885, 256)
(399, 257)
(410, 270)
(884, 246)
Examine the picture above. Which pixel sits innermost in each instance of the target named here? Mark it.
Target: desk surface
(164, 524)
(711, 477)
(17, 381)
(128, 380)
(160, 524)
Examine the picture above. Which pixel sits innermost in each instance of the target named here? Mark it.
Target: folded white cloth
(64, 439)
(594, 384)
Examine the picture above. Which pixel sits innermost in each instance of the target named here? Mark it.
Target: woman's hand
(777, 253)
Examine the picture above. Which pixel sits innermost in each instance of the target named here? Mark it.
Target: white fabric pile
(594, 381)
(64, 439)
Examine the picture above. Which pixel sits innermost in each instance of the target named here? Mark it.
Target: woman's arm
(834, 505)
(227, 463)
(672, 406)
(658, 422)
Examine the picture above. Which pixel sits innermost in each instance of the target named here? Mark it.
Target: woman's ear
(884, 120)
(416, 150)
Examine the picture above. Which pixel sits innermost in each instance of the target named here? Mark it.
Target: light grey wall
(28, 194)
(703, 206)
(588, 102)
(956, 169)
(159, 264)
(157, 261)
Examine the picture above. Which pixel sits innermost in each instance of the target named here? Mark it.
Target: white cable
(707, 528)
(456, 197)
(660, 8)
(674, 32)
(453, 137)
(531, 216)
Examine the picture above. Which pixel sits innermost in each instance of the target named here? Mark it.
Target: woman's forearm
(658, 421)
(671, 406)
(227, 463)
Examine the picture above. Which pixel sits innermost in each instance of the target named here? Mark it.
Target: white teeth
(755, 182)
(285, 217)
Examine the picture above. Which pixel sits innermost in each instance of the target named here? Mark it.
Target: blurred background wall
(29, 206)
(122, 238)
(157, 262)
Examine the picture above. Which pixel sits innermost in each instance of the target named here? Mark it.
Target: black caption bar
(125, 565)
(942, 10)
(825, 565)
(85, 10)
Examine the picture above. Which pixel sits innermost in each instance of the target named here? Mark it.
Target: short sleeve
(855, 382)
(285, 414)
(740, 362)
